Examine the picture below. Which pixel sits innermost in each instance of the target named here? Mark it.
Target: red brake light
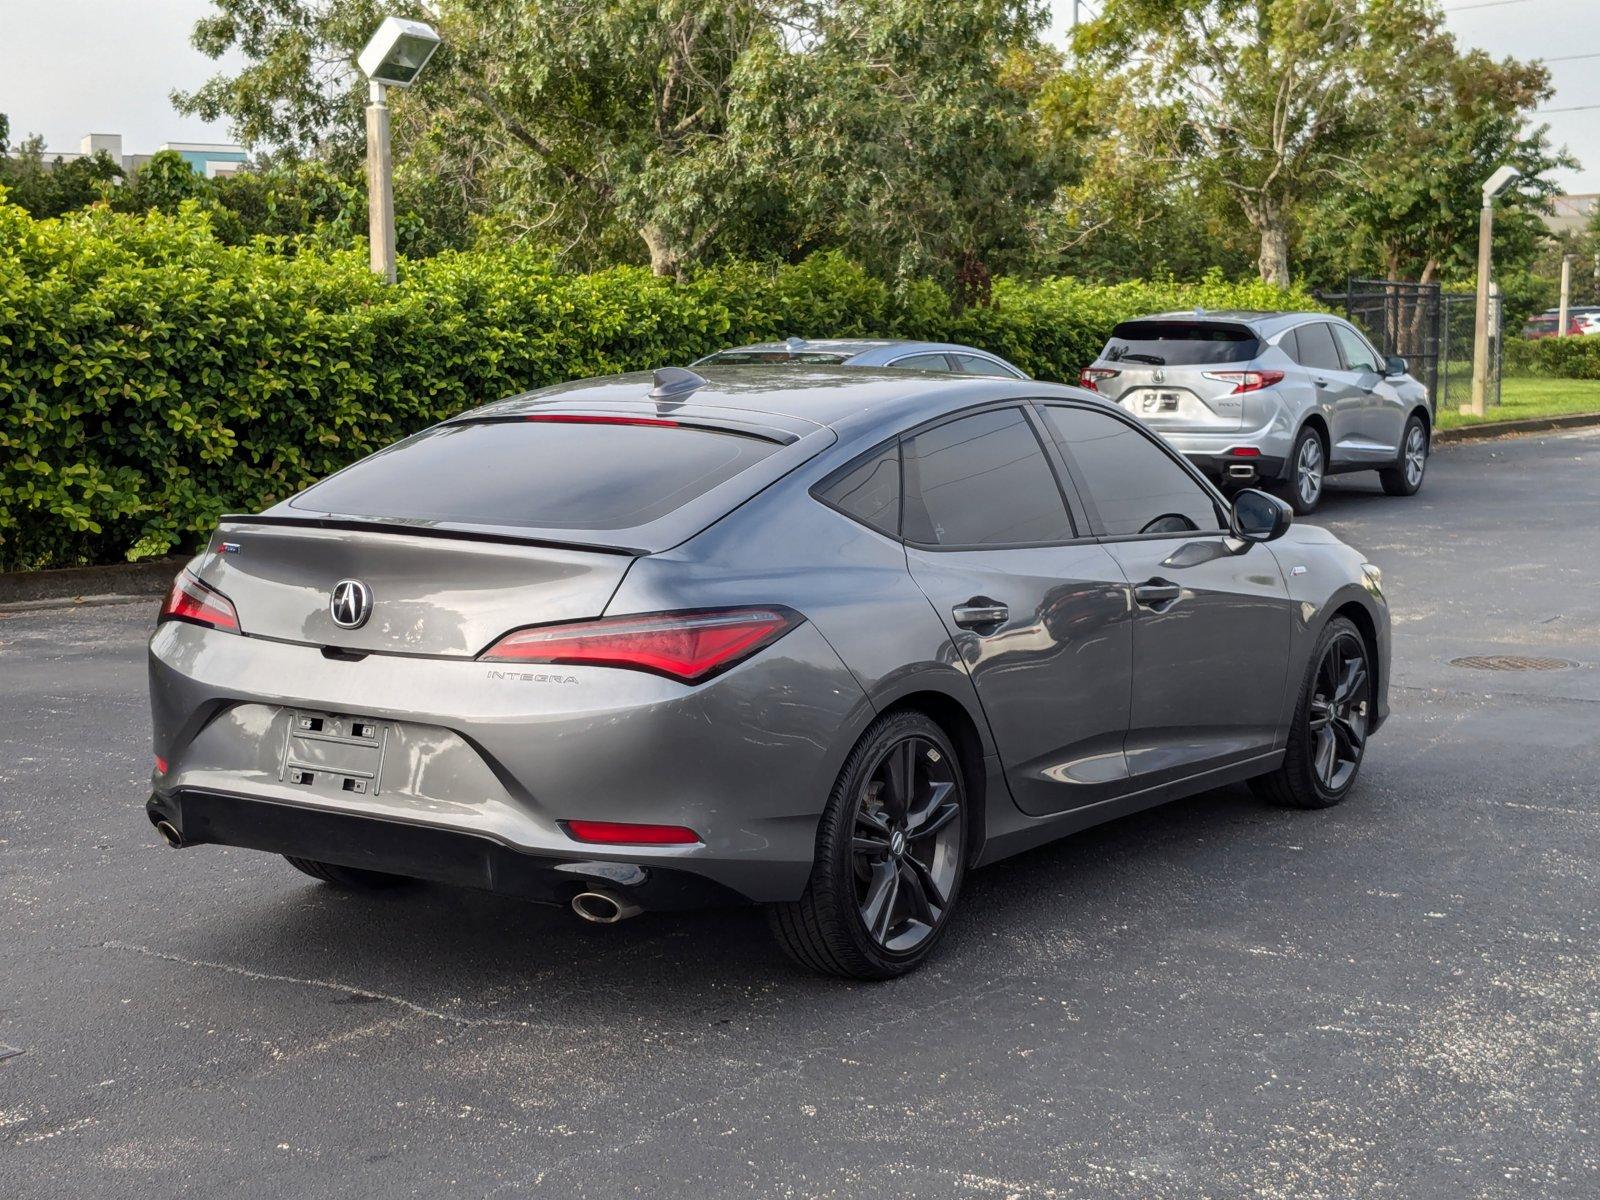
(688, 646)
(584, 419)
(617, 833)
(192, 601)
(1246, 381)
(161, 765)
(1244, 452)
(1091, 377)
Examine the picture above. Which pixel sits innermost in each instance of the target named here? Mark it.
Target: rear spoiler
(442, 529)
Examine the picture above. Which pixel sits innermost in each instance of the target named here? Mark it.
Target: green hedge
(1554, 358)
(152, 378)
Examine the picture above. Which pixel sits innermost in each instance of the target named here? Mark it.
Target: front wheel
(891, 852)
(1405, 477)
(1329, 735)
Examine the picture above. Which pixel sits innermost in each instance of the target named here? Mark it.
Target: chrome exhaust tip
(1240, 471)
(169, 834)
(604, 908)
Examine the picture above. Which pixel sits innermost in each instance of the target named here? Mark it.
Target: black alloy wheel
(1332, 720)
(891, 856)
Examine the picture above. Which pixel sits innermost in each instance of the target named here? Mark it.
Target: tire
(869, 849)
(1302, 782)
(350, 878)
(1310, 455)
(1405, 477)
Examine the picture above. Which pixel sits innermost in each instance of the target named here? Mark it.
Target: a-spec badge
(351, 604)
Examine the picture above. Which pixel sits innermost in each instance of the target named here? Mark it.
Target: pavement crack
(333, 985)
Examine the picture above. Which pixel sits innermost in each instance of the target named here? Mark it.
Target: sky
(70, 67)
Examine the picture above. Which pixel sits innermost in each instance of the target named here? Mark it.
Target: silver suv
(1283, 399)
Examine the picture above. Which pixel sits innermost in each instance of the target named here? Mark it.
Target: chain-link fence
(1458, 319)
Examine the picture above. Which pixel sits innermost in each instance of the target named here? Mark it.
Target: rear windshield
(537, 475)
(1180, 343)
(738, 358)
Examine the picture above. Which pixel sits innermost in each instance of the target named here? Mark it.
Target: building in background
(1572, 214)
(211, 159)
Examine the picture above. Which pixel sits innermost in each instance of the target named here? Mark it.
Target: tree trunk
(1274, 260)
(664, 260)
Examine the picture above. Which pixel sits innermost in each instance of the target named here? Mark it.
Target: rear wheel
(352, 878)
(1329, 735)
(890, 856)
(1405, 477)
(1308, 470)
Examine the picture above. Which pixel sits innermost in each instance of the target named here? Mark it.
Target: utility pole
(1566, 294)
(1493, 186)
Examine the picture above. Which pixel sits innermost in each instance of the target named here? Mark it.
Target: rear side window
(870, 492)
(973, 364)
(1135, 486)
(538, 475)
(982, 481)
(1180, 343)
(1316, 348)
(922, 362)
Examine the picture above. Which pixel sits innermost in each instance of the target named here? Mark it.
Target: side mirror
(1258, 517)
(1394, 365)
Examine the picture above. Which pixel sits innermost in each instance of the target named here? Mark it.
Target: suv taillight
(1092, 377)
(192, 601)
(1246, 381)
(687, 646)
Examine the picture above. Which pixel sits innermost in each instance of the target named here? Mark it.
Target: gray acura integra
(812, 637)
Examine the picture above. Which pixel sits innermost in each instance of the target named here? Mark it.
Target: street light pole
(394, 57)
(1496, 183)
(1566, 294)
(380, 185)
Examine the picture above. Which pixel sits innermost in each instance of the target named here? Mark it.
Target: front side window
(1135, 485)
(982, 480)
(1358, 356)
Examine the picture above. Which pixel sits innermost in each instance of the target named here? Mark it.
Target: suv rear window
(537, 475)
(1180, 343)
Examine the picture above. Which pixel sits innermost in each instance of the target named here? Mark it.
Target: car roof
(849, 400)
(877, 350)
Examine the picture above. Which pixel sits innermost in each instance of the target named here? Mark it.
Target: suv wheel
(891, 855)
(1308, 470)
(1405, 477)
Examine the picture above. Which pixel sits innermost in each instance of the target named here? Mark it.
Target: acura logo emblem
(351, 604)
(1160, 376)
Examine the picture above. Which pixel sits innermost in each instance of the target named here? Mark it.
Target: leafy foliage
(1554, 358)
(153, 377)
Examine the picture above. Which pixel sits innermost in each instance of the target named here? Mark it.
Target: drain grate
(1511, 662)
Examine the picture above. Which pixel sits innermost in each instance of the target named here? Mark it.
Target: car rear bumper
(424, 852)
(1243, 469)
(495, 761)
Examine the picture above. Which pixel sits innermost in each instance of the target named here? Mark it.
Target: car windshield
(539, 475)
(734, 358)
(1180, 343)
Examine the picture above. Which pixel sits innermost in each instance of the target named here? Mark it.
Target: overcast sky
(69, 67)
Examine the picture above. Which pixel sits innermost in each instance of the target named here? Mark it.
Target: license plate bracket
(334, 752)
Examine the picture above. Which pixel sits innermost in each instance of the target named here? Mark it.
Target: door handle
(978, 612)
(1156, 592)
(1322, 383)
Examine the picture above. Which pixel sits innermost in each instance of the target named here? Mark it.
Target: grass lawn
(1524, 397)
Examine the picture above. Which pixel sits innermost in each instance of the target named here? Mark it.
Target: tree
(1267, 100)
(50, 189)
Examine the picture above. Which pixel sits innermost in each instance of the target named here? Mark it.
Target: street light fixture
(394, 57)
(1494, 186)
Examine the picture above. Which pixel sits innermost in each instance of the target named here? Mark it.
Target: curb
(1494, 429)
(114, 584)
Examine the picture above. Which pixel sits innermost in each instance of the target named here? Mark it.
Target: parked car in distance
(814, 637)
(1282, 399)
(1581, 322)
(869, 352)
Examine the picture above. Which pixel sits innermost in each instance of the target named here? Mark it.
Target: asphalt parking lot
(1398, 997)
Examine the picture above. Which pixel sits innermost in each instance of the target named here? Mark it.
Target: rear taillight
(620, 833)
(192, 601)
(688, 646)
(1243, 452)
(1093, 377)
(1246, 381)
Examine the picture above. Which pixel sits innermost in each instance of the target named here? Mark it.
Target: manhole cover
(1511, 662)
